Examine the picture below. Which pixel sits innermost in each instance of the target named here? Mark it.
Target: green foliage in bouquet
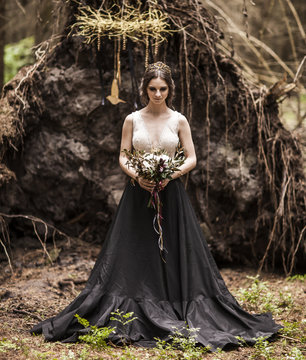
(156, 165)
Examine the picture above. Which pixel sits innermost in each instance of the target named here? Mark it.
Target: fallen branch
(34, 220)
(290, 338)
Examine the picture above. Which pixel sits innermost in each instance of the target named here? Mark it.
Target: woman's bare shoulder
(129, 119)
(182, 120)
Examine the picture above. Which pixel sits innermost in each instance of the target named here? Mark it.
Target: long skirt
(183, 287)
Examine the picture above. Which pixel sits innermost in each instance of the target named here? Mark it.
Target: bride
(130, 274)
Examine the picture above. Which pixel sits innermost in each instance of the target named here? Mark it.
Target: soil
(39, 289)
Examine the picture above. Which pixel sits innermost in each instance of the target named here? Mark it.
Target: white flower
(165, 157)
(150, 156)
(146, 164)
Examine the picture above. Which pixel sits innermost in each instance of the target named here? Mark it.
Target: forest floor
(39, 290)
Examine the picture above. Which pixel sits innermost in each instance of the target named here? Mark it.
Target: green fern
(96, 337)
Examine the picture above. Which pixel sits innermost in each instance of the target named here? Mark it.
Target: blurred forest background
(266, 37)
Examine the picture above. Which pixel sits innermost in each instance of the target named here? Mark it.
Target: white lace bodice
(168, 137)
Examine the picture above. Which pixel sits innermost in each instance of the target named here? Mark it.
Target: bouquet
(155, 166)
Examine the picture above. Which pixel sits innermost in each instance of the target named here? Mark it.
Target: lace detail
(168, 137)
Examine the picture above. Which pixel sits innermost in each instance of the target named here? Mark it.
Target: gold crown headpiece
(159, 66)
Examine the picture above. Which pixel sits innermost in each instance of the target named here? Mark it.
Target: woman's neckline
(162, 130)
(172, 113)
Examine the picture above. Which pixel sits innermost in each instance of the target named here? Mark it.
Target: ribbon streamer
(156, 203)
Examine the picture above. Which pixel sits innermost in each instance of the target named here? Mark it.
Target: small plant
(185, 343)
(298, 277)
(123, 319)
(285, 300)
(84, 355)
(254, 293)
(241, 341)
(97, 336)
(294, 330)
(290, 329)
(69, 356)
(263, 349)
(258, 297)
(38, 355)
(127, 354)
(295, 354)
(7, 345)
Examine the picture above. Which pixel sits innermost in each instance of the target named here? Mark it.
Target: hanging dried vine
(113, 23)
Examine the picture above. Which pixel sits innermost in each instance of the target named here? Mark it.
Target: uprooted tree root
(279, 154)
(280, 162)
(212, 81)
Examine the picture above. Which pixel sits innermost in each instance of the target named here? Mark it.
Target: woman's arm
(126, 143)
(185, 137)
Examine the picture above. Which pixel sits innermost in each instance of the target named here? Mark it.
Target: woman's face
(157, 90)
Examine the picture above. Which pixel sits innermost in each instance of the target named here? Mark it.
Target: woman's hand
(146, 184)
(165, 182)
(149, 185)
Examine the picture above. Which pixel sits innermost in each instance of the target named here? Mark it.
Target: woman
(130, 274)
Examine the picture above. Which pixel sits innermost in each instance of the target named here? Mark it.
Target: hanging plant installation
(122, 23)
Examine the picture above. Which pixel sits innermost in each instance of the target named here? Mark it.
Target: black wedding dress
(131, 276)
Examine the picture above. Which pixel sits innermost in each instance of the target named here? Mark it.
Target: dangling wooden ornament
(114, 96)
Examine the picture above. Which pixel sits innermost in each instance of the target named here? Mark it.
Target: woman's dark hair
(154, 71)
